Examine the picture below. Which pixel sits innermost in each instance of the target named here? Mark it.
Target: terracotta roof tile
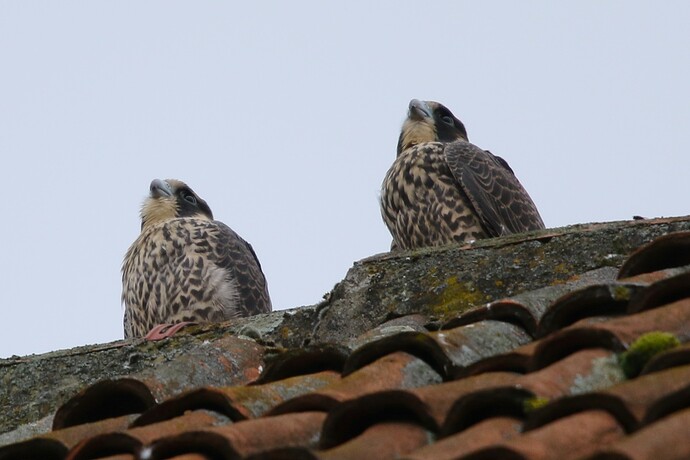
(518, 360)
(309, 360)
(241, 439)
(225, 361)
(239, 402)
(633, 403)
(673, 318)
(662, 292)
(542, 353)
(466, 345)
(393, 371)
(512, 310)
(448, 351)
(386, 440)
(419, 344)
(204, 444)
(437, 400)
(105, 399)
(584, 371)
(57, 443)
(131, 441)
(611, 333)
(485, 433)
(403, 324)
(665, 439)
(539, 374)
(675, 357)
(600, 300)
(667, 251)
(650, 278)
(568, 438)
(272, 432)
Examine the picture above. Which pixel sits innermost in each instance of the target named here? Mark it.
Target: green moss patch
(645, 348)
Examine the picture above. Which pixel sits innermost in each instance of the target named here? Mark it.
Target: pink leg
(163, 331)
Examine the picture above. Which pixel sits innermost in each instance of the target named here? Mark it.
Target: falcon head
(171, 199)
(429, 121)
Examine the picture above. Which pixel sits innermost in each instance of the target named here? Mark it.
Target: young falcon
(441, 189)
(185, 266)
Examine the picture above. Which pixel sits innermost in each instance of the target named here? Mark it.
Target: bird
(441, 189)
(187, 267)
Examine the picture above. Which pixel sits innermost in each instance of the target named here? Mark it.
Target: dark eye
(191, 199)
(448, 120)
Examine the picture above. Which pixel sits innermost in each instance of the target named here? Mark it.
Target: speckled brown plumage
(443, 189)
(185, 266)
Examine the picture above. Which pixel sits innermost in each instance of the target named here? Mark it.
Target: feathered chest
(176, 265)
(418, 178)
(422, 202)
(167, 247)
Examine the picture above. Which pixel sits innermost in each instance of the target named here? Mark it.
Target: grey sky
(284, 117)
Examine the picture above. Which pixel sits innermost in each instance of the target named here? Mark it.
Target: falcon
(185, 266)
(442, 189)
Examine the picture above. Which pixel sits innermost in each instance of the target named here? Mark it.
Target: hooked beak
(160, 188)
(418, 110)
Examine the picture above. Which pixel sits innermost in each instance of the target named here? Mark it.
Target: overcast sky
(284, 117)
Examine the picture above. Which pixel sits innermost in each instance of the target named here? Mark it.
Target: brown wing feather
(497, 196)
(238, 256)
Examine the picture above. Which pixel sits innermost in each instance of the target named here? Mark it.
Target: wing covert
(500, 201)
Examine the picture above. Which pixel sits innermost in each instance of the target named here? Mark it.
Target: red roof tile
(131, 441)
(666, 439)
(568, 438)
(240, 403)
(105, 399)
(633, 403)
(241, 439)
(309, 360)
(583, 371)
(428, 404)
(448, 351)
(488, 432)
(599, 300)
(396, 370)
(675, 357)
(662, 292)
(56, 444)
(387, 440)
(667, 251)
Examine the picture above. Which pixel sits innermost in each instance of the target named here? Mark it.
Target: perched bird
(443, 189)
(185, 266)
